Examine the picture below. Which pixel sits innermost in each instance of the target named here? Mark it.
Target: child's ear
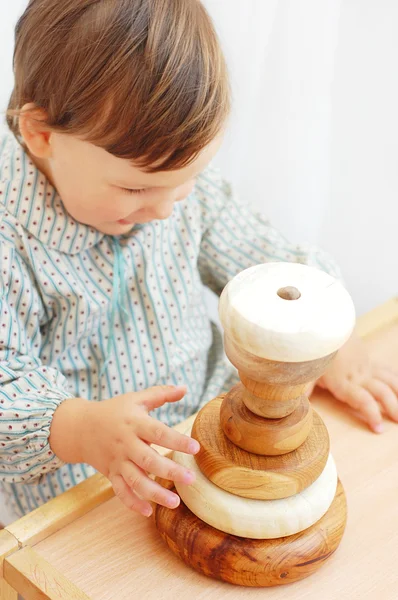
(34, 132)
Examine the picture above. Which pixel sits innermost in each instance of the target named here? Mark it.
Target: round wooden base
(246, 562)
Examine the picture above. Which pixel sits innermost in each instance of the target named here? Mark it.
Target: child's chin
(114, 228)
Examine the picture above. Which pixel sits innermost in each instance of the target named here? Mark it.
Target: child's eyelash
(134, 191)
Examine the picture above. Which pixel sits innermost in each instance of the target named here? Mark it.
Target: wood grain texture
(273, 408)
(253, 476)
(273, 373)
(8, 545)
(36, 579)
(269, 409)
(256, 434)
(256, 519)
(6, 591)
(57, 513)
(271, 392)
(252, 563)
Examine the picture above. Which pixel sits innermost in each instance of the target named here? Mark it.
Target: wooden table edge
(77, 502)
(8, 545)
(59, 512)
(36, 579)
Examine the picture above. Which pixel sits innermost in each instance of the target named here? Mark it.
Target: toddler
(111, 224)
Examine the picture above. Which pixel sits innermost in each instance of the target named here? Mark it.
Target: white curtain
(314, 135)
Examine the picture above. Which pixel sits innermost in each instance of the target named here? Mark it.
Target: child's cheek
(111, 208)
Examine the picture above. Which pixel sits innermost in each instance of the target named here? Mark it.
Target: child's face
(109, 193)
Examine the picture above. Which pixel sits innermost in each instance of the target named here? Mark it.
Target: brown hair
(144, 79)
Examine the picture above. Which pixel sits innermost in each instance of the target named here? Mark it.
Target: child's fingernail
(147, 512)
(173, 502)
(378, 428)
(189, 477)
(194, 447)
(181, 388)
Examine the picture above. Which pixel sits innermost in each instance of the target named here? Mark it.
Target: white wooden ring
(256, 519)
(257, 317)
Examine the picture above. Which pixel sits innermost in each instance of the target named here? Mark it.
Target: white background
(313, 138)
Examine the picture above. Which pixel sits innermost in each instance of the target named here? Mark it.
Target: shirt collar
(26, 193)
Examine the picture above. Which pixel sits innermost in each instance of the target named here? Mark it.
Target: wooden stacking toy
(267, 507)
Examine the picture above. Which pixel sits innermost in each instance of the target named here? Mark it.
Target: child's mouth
(126, 222)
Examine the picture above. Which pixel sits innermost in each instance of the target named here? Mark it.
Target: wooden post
(8, 545)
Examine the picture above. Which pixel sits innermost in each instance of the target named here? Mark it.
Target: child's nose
(164, 208)
(184, 191)
(162, 211)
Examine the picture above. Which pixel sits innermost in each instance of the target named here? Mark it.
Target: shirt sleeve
(234, 237)
(30, 392)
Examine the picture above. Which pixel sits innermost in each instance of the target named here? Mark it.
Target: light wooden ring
(256, 519)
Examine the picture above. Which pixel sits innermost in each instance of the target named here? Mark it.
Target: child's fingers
(139, 483)
(384, 396)
(150, 461)
(389, 377)
(362, 401)
(157, 396)
(155, 432)
(129, 499)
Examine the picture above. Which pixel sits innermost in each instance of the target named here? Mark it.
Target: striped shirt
(74, 299)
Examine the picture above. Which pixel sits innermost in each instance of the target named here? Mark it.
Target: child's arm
(30, 392)
(235, 238)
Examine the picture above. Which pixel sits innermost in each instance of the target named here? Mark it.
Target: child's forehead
(126, 174)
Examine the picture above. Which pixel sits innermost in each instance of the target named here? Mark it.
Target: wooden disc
(256, 519)
(246, 562)
(256, 434)
(259, 319)
(251, 475)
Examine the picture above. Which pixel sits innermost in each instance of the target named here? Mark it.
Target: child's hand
(369, 388)
(118, 434)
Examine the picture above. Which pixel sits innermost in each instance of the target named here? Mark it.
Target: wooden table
(85, 544)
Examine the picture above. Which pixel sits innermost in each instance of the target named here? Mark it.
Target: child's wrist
(68, 430)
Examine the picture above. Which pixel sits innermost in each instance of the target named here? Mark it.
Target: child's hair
(145, 80)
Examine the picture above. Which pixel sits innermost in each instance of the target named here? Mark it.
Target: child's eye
(134, 191)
